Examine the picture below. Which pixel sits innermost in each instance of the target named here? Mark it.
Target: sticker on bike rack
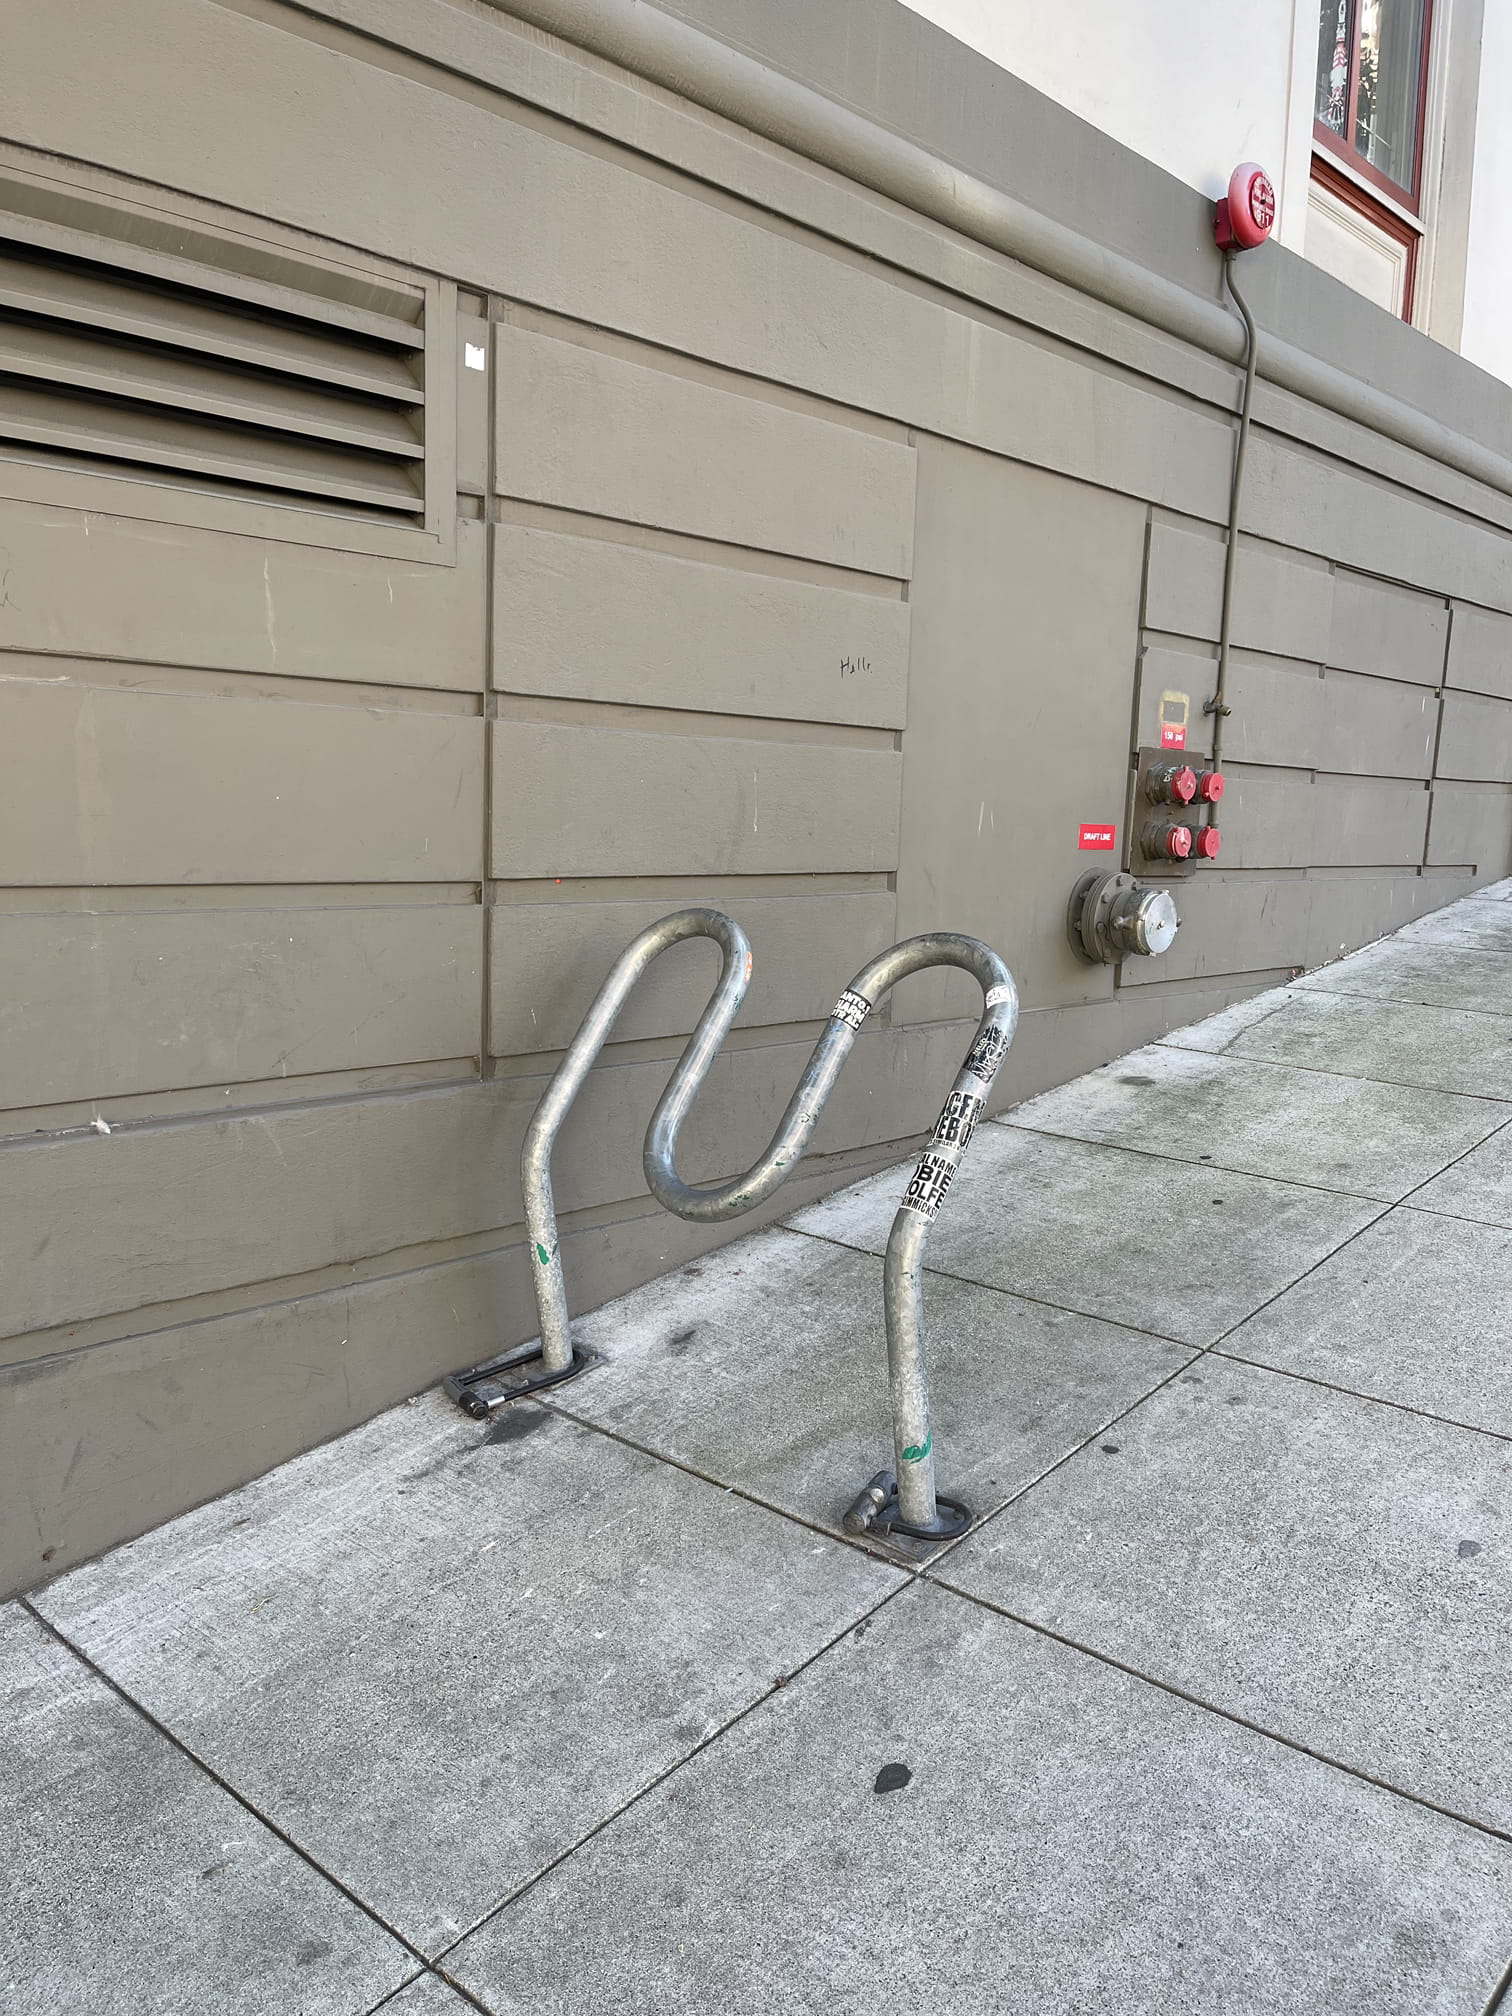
(957, 1121)
(926, 1190)
(988, 1051)
(997, 994)
(851, 1009)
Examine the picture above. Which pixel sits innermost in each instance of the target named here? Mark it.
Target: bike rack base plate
(482, 1388)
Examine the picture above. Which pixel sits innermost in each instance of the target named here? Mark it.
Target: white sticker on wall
(474, 356)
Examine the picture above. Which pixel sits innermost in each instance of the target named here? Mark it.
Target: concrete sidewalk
(595, 1708)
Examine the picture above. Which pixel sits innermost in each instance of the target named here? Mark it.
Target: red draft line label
(1172, 735)
(1096, 839)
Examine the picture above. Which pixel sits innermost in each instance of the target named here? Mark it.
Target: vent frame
(197, 260)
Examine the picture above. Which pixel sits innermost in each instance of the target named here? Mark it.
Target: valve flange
(1112, 916)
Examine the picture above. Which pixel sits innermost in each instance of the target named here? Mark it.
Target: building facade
(1382, 123)
(474, 478)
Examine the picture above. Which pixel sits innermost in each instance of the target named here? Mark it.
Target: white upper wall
(1196, 86)
(1486, 336)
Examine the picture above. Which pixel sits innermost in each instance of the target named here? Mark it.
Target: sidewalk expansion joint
(1224, 1714)
(209, 1771)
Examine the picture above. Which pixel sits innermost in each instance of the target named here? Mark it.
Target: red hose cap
(1210, 787)
(1178, 842)
(1182, 784)
(1208, 843)
(1246, 215)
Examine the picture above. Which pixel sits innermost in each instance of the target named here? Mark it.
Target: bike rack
(903, 1500)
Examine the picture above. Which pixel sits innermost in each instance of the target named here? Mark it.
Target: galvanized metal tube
(903, 1269)
(903, 1273)
(540, 1136)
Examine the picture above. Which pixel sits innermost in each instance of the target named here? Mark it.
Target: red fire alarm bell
(1246, 214)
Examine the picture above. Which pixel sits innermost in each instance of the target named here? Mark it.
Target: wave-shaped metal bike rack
(903, 1500)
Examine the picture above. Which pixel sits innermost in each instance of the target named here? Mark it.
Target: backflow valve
(900, 1501)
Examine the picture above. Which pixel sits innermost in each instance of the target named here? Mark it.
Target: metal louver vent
(169, 353)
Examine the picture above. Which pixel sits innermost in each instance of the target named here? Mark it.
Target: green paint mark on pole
(542, 1255)
(914, 1453)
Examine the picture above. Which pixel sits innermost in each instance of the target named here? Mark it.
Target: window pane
(1332, 100)
(1391, 43)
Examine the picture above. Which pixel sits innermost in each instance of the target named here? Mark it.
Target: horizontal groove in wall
(667, 1049)
(148, 899)
(41, 1346)
(687, 889)
(211, 1101)
(1205, 651)
(192, 1107)
(693, 546)
(1197, 983)
(1257, 543)
(1347, 872)
(147, 677)
(1345, 780)
(683, 363)
(633, 720)
(1289, 418)
(1355, 459)
(686, 364)
(1209, 983)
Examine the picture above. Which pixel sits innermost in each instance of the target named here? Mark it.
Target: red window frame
(1335, 143)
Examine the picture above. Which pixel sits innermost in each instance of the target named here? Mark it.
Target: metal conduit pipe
(1218, 706)
(740, 88)
(909, 1504)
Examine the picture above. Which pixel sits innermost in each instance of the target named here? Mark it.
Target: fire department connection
(1173, 824)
